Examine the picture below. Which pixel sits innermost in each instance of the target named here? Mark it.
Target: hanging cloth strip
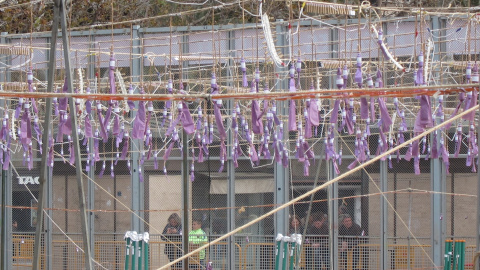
(292, 111)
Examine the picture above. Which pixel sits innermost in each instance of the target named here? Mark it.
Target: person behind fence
(295, 225)
(173, 232)
(318, 238)
(350, 230)
(196, 238)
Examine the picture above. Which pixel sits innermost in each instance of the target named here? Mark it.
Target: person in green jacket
(198, 237)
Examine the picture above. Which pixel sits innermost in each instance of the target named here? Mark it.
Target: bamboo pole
(336, 179)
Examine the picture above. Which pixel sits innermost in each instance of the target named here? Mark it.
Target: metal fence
(403, 218)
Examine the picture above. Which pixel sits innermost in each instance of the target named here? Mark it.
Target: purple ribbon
(103, 130)
(424, 117)
(257, 123)
(111, 74)
(358, 73)
(138, 130)
(298, 69)
(244, 72)
(386, 120)
(125, 146)
(30, 89)
(130, 103)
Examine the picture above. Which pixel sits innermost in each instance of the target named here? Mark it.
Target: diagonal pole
(46, 135)
(76, 144)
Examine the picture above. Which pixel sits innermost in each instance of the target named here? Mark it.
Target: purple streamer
(244, 72)
(111, 74)
(130, 103)
(138, 129)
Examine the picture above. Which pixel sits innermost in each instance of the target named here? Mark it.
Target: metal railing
(249, 255)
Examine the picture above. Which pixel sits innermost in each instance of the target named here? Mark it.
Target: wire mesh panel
(230, 165)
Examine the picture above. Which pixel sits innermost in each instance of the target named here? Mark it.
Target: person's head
(14, 224)
(196, 224)
(174, 220)
(295, 221)
(318, 219)
(347, 221)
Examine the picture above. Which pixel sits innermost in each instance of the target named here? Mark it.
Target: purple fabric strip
(116, 125)
(62, 104)
(363, 108)
(257, 123)
(186, 119)
(458, 141)
(285, 159)
(155, 162)
(334, 116)
(292, 87)
(313, 113)
(25, 127)
(472, 103)
(108, 114)
(415, 149)
(6, 162)
(424, 117)
(125, 147)
(88, 127)
(253, 153)
(96, 148)
(445, 157)
(349, 120)
(219, 121)
(292, 116)
(386, 120)
(138, 129)
(103, 131)
(166, 155)
(130, 103)
(19, 108)
(358, 73)
(111, 74)
(416, 165)
(243, 67)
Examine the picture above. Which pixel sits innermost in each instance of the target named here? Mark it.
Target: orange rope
(343, 93)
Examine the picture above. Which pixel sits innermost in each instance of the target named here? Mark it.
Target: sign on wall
(28, 180)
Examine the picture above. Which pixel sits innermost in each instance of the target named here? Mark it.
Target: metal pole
(3, 218)
(46, 135)
(332, 190)
(91, 173)
(478, 199)
(383, 215)
(309, 211)
(76, 143)
(230, 165)
(185, 50)
(137, 144)
(185, 195)
(438, 186)
(281, 173)
(4, 248)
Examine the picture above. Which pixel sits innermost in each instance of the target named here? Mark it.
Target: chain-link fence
(385, 216)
